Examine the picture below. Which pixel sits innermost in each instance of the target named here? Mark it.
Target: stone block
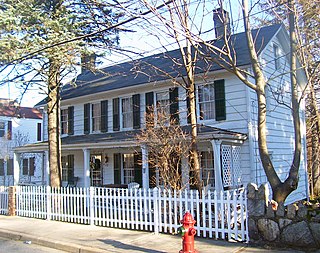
(280, 211)
(269, 229)
(315, 231)
(291, 211)
(316, 218)
(263, 192)
(298, 235)
(284, 222)
(252, 190)
(270, 212)
(302, 211)
(253, 230)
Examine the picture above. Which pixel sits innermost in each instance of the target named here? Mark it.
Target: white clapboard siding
(220, 215)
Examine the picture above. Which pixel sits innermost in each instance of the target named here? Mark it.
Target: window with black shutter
(220, 100)
(10, 167)
(174, 104)
(39, 131)
(9, 133)
(31, 166)
(104, 116)
(116, 114)
(149, 109)
(70, 169)
(86, 122)
(71, 120)
(136, 111)
(117, 168)
(138, 168)
(1, 167)
(25, 167)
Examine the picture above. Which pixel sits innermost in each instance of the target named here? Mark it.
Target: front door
(96, 175)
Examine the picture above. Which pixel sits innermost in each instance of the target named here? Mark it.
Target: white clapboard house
(19, 126)
(103, 112)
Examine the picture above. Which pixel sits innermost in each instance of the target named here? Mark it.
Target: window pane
(25, 166)
(206, 101)
(127, 113)
(64, 121)
(96, 117)
(128, 168)
(163, 106)
(207, 168)
(2, 127)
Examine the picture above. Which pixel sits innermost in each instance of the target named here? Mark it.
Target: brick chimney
(221, 20)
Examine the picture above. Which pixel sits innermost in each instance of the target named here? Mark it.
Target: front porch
(115, 159)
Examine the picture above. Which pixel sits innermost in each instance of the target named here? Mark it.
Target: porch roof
(127, 139)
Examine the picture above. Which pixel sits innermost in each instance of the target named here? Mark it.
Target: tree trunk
(54, 124)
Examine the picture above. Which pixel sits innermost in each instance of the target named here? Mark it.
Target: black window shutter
(174, 104)
(1, 167)
(149, 109)
(117, 168)
(32, 166)
(188, 107)
(71, 120)
(25, 166)
(136, 111)
(86, 118)
(138, 168)
(116, 114)
(39, 131)
(9, 134)
(70, 169)
(220, 100)
(10, 167)
(104, 116)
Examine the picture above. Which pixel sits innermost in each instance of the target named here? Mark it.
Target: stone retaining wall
(294, 225)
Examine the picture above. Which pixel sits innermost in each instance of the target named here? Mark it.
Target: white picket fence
(218, 215)
(3, 200)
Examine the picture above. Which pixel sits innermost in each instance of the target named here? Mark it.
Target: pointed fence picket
(218, 214)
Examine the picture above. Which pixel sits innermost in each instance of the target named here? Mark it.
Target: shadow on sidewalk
(121, 245)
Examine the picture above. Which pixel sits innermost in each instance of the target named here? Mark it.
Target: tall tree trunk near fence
(53, 112)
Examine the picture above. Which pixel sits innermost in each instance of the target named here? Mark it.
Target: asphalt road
(11, 246)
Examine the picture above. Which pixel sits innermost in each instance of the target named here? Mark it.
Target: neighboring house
(19, 126)
(103, 112)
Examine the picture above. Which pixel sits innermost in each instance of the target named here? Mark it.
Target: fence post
(12, 201)
(48, 193)
(91, 206)
(156, 211)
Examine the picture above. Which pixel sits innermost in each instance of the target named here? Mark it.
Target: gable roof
(151, 68)
(20, 112)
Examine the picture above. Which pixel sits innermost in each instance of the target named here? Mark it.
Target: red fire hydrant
(187, 232)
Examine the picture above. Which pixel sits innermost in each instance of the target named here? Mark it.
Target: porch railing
(217, 214)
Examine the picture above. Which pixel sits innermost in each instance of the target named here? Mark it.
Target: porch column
(86, 167)
(145, 167)
(46, 167)
(16, 168)
(216, 144)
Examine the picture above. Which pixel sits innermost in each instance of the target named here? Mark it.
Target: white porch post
(47, 168)
(86, 167)
(16, 168)
(145, 167)
(216, 144)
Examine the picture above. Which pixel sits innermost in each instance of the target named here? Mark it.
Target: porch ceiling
(127, 139)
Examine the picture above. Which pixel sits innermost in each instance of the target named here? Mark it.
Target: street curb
(59, 245)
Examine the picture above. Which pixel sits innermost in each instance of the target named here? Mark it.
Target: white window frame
(210, 101)
(127, 169)
(2, 129)
(95, 120)
(162, 105)
(207, 166)
(277, 56)
(64, 121)
(126, 114)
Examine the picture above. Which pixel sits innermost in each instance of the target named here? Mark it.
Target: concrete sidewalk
(92, 239)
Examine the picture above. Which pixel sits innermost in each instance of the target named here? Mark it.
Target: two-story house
(103, 112)
(19, 126)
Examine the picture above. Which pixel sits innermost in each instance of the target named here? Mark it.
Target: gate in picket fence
(220, 215)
